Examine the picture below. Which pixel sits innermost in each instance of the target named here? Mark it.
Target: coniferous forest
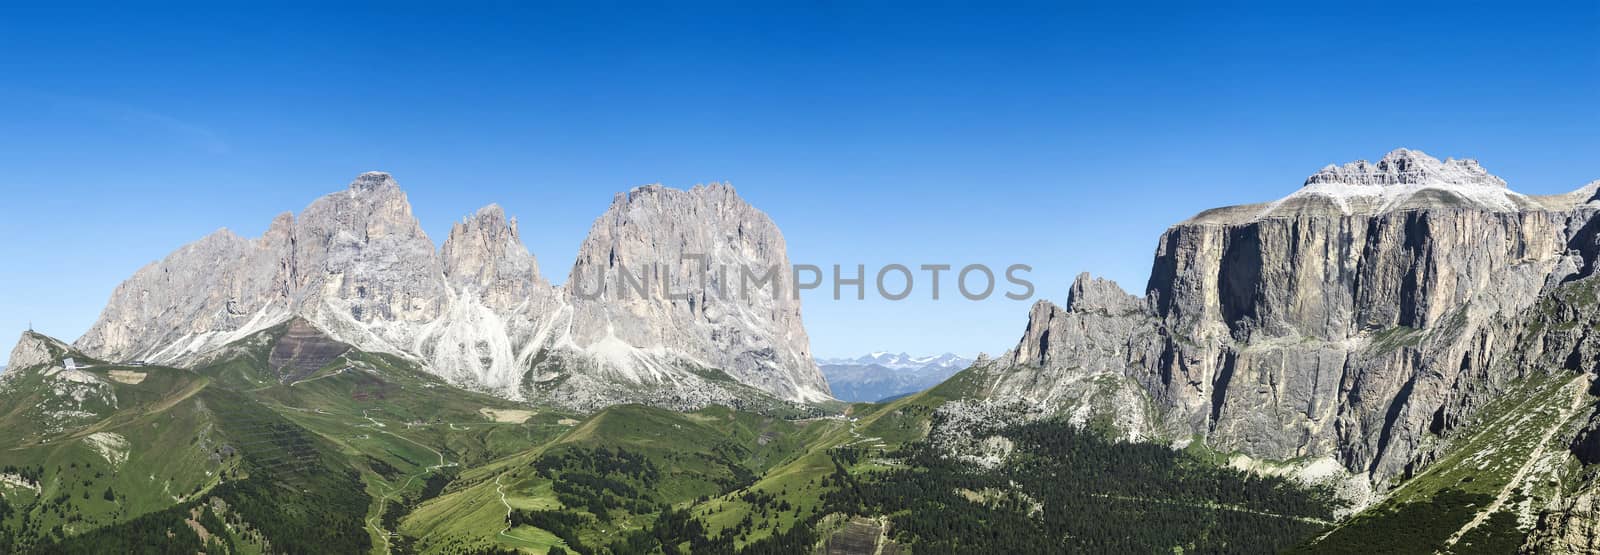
(1064, 489)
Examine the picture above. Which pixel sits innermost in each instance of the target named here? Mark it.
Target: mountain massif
(477, 312)
(1365, 323)
(1345, 320)
(1397, 357)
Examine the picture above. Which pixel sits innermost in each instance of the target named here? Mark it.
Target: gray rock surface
(1077, 360)
(355, 263)
(363, 270)
(484, 256)
(498, 308)
(674, 241)
(35, 349)
(1342, 321)
(357, 266)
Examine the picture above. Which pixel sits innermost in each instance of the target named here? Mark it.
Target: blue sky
(1062, 136)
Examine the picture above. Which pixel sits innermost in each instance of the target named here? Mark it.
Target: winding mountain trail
(379, 425)
(1579, 398)
(322, 377)
(861, 438)
(883, 535)
(383, 502)
(393, 491)
(501, 489)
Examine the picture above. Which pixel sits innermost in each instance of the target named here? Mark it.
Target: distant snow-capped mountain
(884, 375)
(902, 361)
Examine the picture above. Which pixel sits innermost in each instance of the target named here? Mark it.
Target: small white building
(69, 364)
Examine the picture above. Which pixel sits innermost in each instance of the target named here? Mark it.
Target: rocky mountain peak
(365, 270)
(34, 349)
(645, 194)
(1090, 293)
(491, 215)
(716, 188)
(355, 262)
(221, 234)
(756, 337)
(1403, 180)
(1408, 167)
(485, 251)
(374, 181)
(489, 222)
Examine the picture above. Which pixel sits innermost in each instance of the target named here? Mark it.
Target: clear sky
(1065, 137)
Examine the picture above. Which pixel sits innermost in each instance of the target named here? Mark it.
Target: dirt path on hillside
(1578, 401)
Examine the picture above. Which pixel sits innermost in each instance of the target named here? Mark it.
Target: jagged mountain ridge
(357, 265)
(1354, 320)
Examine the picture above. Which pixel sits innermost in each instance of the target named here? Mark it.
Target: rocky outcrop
(1353, 318)
(357, 266)
(693, 254)
(484, 257)
(355, 263)
(500, 312)
(301, 351)
(48, 397)
(1077, 359)
(198, 297)
(1573, 529)
(1405, 167)
(1350, 328)
(35, 349)
(363, 270)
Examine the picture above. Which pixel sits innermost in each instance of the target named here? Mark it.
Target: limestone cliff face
(362, 268)
(355, 263)
(186, 293)
(1345, 320)
(700, 258)
(357, 266)
(484, 256)
(34, 349)
(498, 307)
(1351, 328)
(1076, 359)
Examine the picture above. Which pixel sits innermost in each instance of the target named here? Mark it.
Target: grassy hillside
(256, 451)
(117, 446)
(618, 470)
(98, 445)
(1481, 497)
(164, 444)
(800, 482)
(878, 473)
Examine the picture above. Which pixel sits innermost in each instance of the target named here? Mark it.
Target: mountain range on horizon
(879, 376)
(900, 361)
(1402, 350)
